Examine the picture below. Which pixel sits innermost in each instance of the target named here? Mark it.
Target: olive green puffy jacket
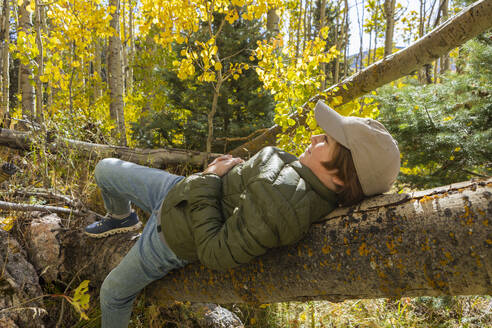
(268, 201)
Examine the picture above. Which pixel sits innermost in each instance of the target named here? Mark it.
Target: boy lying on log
(236, 210)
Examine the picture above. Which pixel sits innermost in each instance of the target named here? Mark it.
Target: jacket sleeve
(264, 219)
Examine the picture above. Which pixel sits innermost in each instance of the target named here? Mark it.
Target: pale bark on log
(434, 242)
(38, 208)
(150, 157)
(470, 22)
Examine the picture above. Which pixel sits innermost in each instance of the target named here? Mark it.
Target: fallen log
(433, 242)
(467, 24)
(149, 157)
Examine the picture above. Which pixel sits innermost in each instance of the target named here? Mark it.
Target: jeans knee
(103, 168)
(105, 296)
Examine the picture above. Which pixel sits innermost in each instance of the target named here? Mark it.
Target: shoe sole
(114, 231)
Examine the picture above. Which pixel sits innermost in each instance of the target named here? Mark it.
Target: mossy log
(433, 242)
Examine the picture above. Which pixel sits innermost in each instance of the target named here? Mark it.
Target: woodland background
(210, 75)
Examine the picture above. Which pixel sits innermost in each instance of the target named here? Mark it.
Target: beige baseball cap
(374, 151)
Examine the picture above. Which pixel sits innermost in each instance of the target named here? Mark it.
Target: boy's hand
(223, 164)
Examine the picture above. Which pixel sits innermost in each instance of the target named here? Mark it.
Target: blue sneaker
(109, 226)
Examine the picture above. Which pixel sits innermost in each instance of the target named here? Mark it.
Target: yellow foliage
(80, 300)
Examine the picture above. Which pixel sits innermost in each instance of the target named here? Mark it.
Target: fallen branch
(149, 157)
(467, 24)
(40, 208)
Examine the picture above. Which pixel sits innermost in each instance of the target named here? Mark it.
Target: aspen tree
(25, 71)
(4, 62)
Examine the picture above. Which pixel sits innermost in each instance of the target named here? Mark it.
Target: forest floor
(71, 175)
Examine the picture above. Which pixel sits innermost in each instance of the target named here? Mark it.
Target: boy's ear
(336, 180)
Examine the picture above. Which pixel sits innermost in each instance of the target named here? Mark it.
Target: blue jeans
(122, 183)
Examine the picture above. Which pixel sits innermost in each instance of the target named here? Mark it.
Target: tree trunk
(321, 26)
(5, 63)
(376, 30)
(40, 61)
(115, 75)
(273, 20)
(151, 157)
(97, 68)
(337, 45)
(389, 12)
(132, 48)
(25, 71)
(346, 41)
(434, 242)
(445, 59)
(211, 115)
(470, 22)
(361, 34)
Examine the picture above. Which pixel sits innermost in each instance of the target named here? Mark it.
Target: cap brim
(331, 122)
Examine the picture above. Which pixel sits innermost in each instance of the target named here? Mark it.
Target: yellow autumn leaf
(238, 3)
(31, 7)
(232, 16)
(324, 32)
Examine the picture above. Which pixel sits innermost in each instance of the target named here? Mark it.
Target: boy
(236, 210)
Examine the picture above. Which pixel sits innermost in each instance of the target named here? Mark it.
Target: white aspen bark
(132, 48)
(389, 12)
(25, 71)
(321, 26)
(115, 75)
(304, 26)
(298, 36)
(40, 61)
(5, 63)
(376, 30)
(97, 68)
(445, 63)
(124, 47)
(427, 243)
(337, 58)
(346, 42)
(273, 21)
(361, 33)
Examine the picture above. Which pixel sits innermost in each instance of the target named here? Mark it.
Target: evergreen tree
(443, 130)
(243, 106)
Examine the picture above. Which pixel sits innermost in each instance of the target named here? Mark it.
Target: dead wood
(149, 157)
(433, 242)
(39, 208)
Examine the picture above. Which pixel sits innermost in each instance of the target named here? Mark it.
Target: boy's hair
(351, 192)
